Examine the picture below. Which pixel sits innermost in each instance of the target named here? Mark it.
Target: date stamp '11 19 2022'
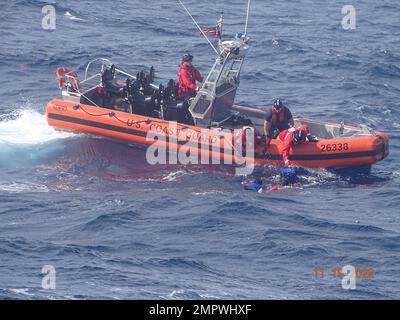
(347, 274)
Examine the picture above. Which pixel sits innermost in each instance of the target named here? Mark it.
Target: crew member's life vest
(187, 77)
(278, 117)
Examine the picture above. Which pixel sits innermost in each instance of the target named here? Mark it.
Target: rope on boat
(147, 121)
(112, 114)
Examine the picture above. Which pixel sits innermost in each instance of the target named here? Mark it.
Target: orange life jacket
(278, 116)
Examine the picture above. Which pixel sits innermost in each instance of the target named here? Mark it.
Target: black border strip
(328, 156)
(60, 117)
(305, 157)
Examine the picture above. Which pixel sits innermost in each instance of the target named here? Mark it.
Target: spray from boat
(27, 127)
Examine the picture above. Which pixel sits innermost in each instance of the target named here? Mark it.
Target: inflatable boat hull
(326, 153)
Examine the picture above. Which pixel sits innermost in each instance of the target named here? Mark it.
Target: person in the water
(256, 185)
(288, 177)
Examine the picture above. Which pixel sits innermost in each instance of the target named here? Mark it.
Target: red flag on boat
(216, 31)
(212, 31)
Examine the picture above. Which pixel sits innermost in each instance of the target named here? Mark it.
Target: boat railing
(72, 85)
(368, 130)
(334, 130)
(90, 83)
(104, 62)
(92, 80)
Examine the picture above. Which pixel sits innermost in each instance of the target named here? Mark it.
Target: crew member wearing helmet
(292, 137)
(276, 120)
(187, 77)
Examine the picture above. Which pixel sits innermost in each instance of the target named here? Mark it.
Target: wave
(25, 137)
(384, 116)
(27, 127)
(320, 224)
(70, 16)
(20, 187)
(184, 264)
(172, 176)
(387, 70)
(108, 221)
(183, 294)
(287, 45)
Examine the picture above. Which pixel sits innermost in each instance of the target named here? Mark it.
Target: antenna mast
(220, 23)
(202, 32)
(247, 17)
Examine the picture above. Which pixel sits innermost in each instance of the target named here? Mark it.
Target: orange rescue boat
(115, 104)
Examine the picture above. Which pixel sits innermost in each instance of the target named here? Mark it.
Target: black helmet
(187, 57)
(278, 103)
(299, 136)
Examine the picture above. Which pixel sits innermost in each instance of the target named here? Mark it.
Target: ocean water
(115, 227)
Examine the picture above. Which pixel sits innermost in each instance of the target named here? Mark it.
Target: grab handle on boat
(341, 128)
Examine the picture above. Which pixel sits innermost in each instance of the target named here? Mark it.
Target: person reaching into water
(187, 77)
(292, 137)
(276, 120)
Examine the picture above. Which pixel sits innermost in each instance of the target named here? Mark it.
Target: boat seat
(182, 104)
(110, 83)
(178, 112)
(114, 86)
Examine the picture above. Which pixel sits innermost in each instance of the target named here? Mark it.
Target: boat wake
(27, 127)
(26, 136)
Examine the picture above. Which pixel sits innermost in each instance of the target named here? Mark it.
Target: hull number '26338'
(334, 147)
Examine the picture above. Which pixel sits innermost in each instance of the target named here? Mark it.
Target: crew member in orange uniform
(292, 137)
(187, 77)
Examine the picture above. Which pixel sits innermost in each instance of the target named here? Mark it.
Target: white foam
(70, 16)
(205, 193)
(28, 127)
(174, 175)
(23, 291)
(20, 187)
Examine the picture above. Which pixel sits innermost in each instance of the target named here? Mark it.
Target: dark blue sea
(115, 227)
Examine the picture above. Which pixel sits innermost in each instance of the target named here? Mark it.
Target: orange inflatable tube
(329, 153)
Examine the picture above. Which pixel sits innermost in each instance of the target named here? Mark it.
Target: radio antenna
(197, 25)
(247, 17)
